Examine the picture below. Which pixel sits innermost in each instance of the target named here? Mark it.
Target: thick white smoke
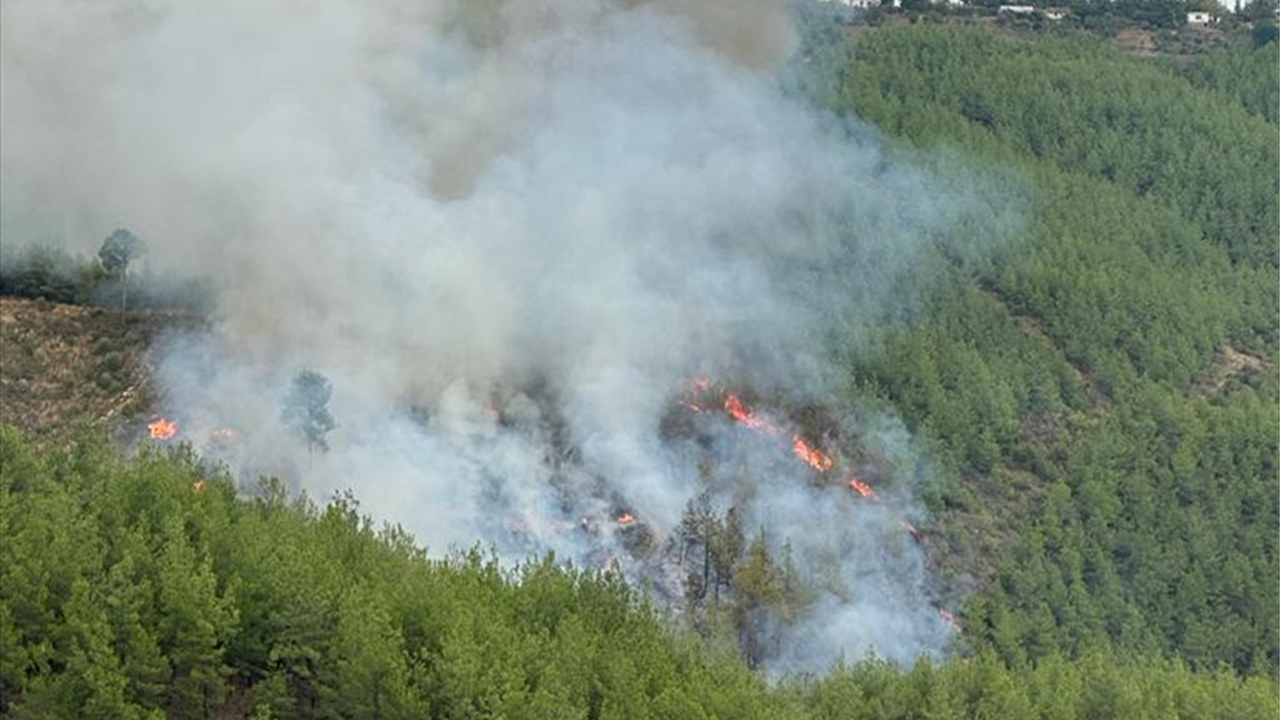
(509, 233)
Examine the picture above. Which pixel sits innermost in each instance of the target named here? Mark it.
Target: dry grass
(62, 365)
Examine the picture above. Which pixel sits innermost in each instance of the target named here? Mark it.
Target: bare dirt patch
(1227, 363)
(1137, 41)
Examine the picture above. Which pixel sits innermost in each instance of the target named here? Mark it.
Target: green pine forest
(1098, 399)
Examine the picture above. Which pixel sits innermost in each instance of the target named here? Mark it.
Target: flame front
(862, 488)
(162, 429)
(626, 519)
(819, 460)
(747, 417)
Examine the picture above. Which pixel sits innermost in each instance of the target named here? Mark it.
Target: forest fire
(862, 488)
(162, 429)
(198, 486)
(626, 519)
(819, 460)
(747, 417)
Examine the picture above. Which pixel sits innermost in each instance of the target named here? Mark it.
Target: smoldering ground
(509, 233)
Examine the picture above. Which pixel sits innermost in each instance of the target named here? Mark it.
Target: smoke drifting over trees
(510, 233)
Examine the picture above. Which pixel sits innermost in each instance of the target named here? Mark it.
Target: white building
(1199, 18)
(860, 4)
(1017, 9)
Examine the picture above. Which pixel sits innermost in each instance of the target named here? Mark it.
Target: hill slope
(64, 364)
(1100, 398)
(146, 589)
(1122, 480)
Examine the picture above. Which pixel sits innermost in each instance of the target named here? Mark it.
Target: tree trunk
(706, 569)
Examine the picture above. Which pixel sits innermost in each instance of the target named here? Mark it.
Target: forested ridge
(1072, 381)
(144, 588)
(1098, 397)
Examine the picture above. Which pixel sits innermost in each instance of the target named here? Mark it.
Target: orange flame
(747, 417)
(820, 461)
(862, 488)
(162, 429)
(197, 486)
(626, 519)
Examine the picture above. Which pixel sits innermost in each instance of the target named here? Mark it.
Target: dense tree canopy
(1098, 397)
(1102, 390)
(146, 588)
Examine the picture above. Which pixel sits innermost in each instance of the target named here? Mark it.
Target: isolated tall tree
(118, 250)
(306, 409)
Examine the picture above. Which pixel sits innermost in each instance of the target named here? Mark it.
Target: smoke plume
(510, 234)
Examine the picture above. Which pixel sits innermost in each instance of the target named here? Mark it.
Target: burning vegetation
(162, 429)
(722, 563)
(727, 559)
(812, 456)
(862, 488)
(722, 559)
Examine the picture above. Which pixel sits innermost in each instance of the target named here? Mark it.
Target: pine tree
(93, 685)
(118, 250)
(371, 669)
(195, 620)
(305, 409)
(127, 595)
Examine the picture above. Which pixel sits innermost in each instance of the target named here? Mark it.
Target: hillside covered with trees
(1099, 399)
(1079, 384)
(145, 589)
